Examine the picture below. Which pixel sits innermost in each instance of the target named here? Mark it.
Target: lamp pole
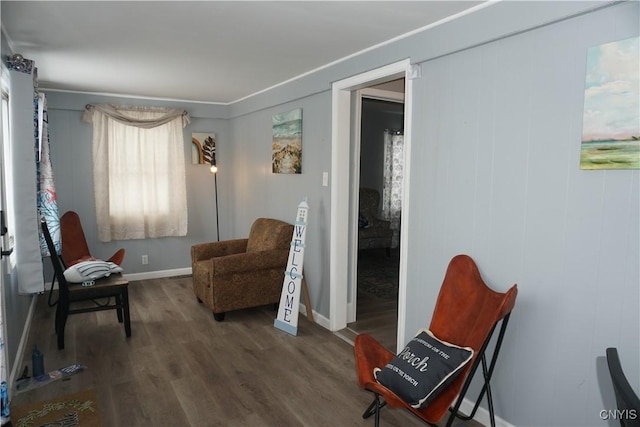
(214, 171)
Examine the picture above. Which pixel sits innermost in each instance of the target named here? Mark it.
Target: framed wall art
(203, 148)
(286, 149)
(611, 117)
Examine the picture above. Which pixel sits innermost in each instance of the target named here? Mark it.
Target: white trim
(338, 265)
(317, 318)
(342, 211)
(482, 415)
(406, 213)
(354, 203)
(159, 274)
(124, 95)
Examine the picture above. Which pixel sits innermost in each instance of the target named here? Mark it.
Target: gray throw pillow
(423, 369)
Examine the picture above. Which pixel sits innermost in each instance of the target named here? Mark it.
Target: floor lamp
(214, 171)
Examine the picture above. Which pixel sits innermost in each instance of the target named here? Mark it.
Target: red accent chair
(74, 244)
(466, 314)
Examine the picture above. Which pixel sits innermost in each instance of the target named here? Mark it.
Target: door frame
(344, 164)
(360, 94)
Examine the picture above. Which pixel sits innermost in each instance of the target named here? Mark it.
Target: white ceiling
(207, 51)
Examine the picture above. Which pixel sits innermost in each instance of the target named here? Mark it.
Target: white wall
(257, 192)
(497, 137)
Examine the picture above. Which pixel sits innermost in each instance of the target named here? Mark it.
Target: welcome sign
(288, 310)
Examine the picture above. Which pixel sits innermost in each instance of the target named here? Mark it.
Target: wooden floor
(182, 368)
(376, 316)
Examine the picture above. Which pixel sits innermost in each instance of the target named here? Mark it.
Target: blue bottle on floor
(37, 362)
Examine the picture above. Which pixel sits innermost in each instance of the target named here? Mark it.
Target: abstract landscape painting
(611, 120)
(286, 151)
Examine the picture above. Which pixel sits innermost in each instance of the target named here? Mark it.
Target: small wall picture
(286, 151)
(611, 118)
(203, 148)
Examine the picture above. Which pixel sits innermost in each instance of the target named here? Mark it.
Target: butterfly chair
(113, 286)
(467, 312)
(74, 244)
(626, 399)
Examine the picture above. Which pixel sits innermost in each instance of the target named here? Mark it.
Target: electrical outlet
(145, 259)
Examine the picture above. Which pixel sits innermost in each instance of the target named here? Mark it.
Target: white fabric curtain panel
(393, 173)
(139, 171)
(24, 222)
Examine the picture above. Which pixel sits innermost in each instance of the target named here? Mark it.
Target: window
(139, 171)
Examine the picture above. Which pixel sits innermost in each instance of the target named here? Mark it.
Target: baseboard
(482, 415)
(16, 367)
(160, 274)
(317, 318)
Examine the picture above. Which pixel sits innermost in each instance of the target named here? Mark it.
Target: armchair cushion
(267, 234)
(206, 251)
(426, 366)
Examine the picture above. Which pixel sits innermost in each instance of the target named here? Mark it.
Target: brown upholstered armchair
(372, 231)
(242, 273)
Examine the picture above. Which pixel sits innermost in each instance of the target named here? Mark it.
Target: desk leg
(119, 309)
(125, 309)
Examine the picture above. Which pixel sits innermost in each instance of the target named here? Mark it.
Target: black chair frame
(487, 372)
(112, 286)
(627, 400)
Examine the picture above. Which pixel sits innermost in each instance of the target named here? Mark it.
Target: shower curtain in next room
(393, 173)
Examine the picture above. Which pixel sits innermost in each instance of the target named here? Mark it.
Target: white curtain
(392, 181)
(139, 171)
(47, 200)
(22, 215)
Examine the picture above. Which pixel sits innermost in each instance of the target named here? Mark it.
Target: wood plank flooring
(182, 368)
(375, 315)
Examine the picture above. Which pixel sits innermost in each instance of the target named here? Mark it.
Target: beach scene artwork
(611, 118)
(286, 150)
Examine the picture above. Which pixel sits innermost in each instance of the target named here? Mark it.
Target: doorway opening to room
(347, 150)
(379, 211)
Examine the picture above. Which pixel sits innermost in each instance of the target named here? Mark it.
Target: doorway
(380, 179)
(344, 198)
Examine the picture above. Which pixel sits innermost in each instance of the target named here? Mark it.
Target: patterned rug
(78, 409)
(378, 273)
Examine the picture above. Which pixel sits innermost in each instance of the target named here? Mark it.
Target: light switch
(325, 179)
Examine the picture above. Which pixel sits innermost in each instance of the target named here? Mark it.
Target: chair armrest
(118, 257)
(206, 251)
(250, 261)
(370, 354)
